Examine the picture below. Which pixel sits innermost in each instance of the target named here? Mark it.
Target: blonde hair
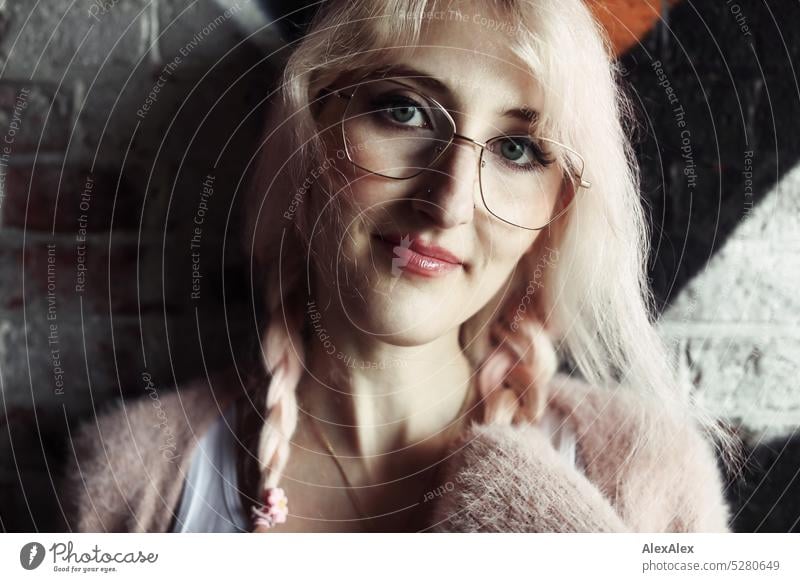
(596, 304)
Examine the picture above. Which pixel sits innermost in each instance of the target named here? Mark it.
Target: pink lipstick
(414, 256)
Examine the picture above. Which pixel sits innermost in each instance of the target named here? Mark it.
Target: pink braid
(514, 375)
(283, 351)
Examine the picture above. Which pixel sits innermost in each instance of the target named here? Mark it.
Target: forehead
(475, 61)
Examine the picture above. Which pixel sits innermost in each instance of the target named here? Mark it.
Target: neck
(379, 402)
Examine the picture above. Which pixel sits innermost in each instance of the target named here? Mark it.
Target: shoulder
(658, 468)
(641, 470)
(126, 465)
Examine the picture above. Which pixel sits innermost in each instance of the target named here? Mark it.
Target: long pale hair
(595, 305)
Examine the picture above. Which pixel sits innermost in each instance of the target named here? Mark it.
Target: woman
(444, 214)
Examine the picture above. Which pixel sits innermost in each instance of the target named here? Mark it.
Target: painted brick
(198, 34)
(111, 364)
(66, 199)
(734, 328)
(109, 280)
(45, 116)
(81, 41)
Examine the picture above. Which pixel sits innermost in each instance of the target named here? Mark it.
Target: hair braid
(284, 355)
(514, 375)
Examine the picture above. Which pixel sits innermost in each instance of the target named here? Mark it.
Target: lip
(418, 257)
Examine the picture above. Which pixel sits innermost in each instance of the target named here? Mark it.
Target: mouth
(412, 255)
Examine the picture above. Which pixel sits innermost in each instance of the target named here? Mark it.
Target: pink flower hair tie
(274, 510)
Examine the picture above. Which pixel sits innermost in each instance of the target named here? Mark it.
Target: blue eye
(403, 114)
(402, 110)
(521, 153)
(513, 150)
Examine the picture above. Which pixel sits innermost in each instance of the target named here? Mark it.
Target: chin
(404, 309)
(404, 318)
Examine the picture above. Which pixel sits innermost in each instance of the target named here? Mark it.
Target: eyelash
(392, 101)
(541, 159)
(386, 102)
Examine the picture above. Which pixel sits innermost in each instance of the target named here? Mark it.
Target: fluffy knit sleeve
(510, 478)
(659, 471)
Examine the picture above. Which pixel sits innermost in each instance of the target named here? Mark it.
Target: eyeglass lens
(391, 130)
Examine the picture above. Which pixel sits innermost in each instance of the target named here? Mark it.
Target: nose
(452, 190)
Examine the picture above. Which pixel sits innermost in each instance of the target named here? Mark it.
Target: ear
(565, 196)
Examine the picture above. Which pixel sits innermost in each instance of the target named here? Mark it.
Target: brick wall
(715, 86)
(116, 116)
(735, 328)
(720, 150)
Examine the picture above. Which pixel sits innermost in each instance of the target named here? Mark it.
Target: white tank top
(210, 501)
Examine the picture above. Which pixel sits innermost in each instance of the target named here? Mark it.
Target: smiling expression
(410, 259)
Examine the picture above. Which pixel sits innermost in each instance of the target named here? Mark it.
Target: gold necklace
(351, 490)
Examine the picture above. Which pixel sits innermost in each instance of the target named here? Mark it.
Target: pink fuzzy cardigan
(122, 477)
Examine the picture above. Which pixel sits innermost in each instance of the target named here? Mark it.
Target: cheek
(504, 247)
(500, 255)
(368, 191)
(367, 203)
(352, 186)
(343, 226)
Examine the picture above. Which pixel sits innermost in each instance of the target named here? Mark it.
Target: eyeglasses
(391, 130)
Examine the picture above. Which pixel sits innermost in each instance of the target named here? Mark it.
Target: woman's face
(371, 272)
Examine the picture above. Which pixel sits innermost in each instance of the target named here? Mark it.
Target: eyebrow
(432, 83)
